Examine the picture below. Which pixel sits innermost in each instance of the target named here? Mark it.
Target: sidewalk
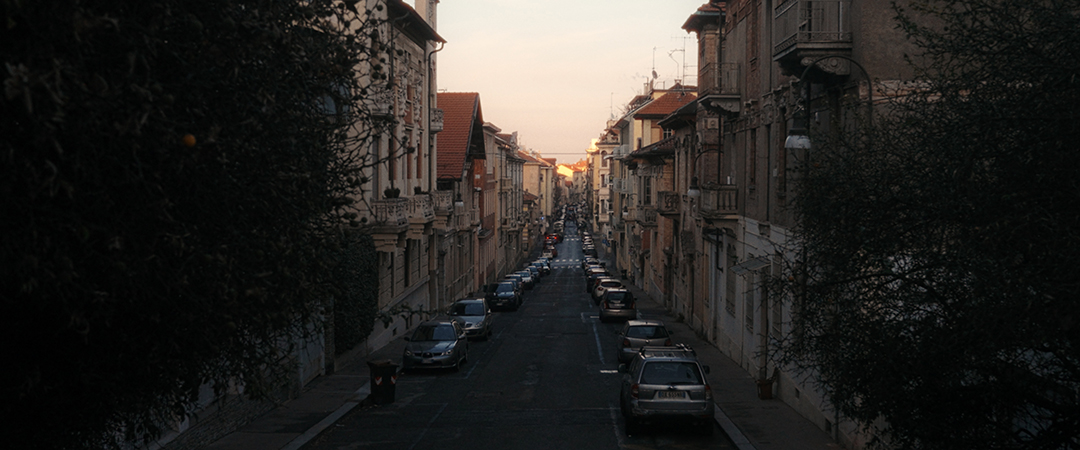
(753, 424)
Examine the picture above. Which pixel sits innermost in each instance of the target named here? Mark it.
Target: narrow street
(546, 379)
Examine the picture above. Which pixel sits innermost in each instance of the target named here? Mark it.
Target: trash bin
(765, 389)
(383, 381)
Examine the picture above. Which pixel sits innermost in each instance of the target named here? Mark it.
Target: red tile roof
(462, 119)
(666, 104)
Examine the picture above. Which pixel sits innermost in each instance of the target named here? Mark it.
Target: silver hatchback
(617, 304)
(640, 333)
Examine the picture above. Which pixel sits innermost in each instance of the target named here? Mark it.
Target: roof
(528, 158)
(412, 23)
(666, 104)
(708, 13)
(664, 147)
(463, 124)
(682, 117)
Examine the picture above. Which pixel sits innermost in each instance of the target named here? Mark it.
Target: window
(647, 191)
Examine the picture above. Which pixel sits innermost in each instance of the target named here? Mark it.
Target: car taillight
(626, 342)
(667, 342)
(708, 392)
(634, 390)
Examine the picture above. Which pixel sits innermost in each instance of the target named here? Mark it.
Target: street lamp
(694, 191)
(458, 202)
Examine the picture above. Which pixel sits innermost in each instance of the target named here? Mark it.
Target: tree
(174, 182)
(939, 307)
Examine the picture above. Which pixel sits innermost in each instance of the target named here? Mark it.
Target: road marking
(429, 424)
(619, 438)
(599, 348)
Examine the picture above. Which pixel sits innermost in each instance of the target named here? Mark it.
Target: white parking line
(599, 348)
(429, 424)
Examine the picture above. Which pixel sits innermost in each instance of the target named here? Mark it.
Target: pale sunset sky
(555, 70)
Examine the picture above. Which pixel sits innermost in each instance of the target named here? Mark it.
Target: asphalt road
(547, 379)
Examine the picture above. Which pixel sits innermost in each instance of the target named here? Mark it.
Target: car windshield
(670, 372)
(505, 287)
(618, 296)
(647, 332)
(435, 333)
(467, 309)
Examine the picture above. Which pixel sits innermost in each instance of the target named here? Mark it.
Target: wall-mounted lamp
(458, 202)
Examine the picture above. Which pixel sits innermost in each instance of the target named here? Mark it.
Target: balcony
(719, 201)
(391, 222)
(669, 203)
(421, 215)
(444, 202)
(391, 213)
(646, 215)
(809, 29)
(727, 97)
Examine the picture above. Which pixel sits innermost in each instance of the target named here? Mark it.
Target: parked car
(592, 274)
(519, 282)
(507, 297)
(666, 384)
(436, 344)
(640, 333)
(617, 304)
(536, 273)
(474, 315)
(527, 278)
(545, 268)
(590, 261)
(602, 284)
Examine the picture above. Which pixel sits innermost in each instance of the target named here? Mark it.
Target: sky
(556, 70)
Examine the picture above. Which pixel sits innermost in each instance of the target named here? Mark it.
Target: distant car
(474, 315)
(519, 282)
(436, 344)
(639, 333)
(537, 274)
(543, 267)
(666, 384)
(527, 278)
(617, 304)
(592, 274)
(601, 285)
(507, 297)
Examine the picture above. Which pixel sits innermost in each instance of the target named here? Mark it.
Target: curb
(736, 436)
(318, 428)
